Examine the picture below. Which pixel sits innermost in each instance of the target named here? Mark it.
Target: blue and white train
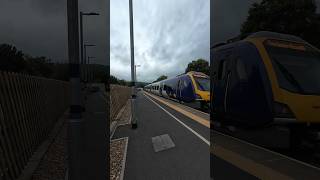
(189, 87)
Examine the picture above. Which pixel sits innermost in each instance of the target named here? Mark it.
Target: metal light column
(75, 117)
(134, 120)
(85, 64)
(81, 46)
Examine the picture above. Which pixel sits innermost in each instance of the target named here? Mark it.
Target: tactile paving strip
(162, 142)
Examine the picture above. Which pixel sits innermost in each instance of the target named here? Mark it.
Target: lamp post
(75, 115)
(133, 97)
(81, 31)
(90, 72)
(85, 60)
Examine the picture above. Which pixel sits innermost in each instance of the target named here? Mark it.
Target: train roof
(260, 34)
(197, 73)
(275, 35)
(184, 74)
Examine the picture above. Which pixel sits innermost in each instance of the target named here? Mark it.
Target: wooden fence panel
(8, 170)
(21, 81)
(14, 126)
(29, 108)
(119, 96)
(19, 115)
(32, 120)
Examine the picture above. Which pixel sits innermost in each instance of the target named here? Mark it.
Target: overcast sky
(228, 15)
(39, 27)
(168, 34)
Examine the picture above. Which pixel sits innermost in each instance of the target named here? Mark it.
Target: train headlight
(282, 110)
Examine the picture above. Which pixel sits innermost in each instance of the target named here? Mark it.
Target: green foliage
(39, 66)
(163, 77)
(199, 65)
(98, 73)
(60, 71)
(141, 84)
(115, 80)
(296, 17)
(12, 60)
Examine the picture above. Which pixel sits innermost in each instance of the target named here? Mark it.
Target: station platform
(166, 143)
(231, 158)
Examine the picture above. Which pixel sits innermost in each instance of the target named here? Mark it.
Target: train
(267, 79)
(191, 87)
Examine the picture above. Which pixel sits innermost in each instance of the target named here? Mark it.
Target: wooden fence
(29, 108)
(119, 96)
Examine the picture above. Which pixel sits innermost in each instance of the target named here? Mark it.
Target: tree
(113, 80)
(11, 59)
(163, 77)
(296, 17)
(39, 66)
(199, 65)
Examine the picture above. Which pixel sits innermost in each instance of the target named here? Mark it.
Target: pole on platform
(75, 116)
(133, 97)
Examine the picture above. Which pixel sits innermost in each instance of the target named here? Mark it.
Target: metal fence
(29, 108)
(119, 96)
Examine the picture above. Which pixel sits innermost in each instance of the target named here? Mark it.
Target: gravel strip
(117, 155)
(53, 165)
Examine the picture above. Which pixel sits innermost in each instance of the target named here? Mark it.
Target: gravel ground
(117, 148)
(126, 114)
(53, 166)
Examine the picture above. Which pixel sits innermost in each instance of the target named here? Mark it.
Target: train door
(246, 96)
(187, 91)
(223, 66)
(161, 89)
(179, 87)
(183, 89)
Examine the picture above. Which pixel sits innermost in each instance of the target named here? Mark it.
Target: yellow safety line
(198, 119)
(254, 168)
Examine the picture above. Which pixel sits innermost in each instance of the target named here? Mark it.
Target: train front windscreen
(297, 67)
(203, 83)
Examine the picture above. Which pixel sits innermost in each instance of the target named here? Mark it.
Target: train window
(185, 83)
(241, 69)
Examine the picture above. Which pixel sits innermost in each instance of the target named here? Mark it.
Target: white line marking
(193, 131)
(273, 152)
(176, 101)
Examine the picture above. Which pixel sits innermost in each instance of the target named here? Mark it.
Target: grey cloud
(228, 15)
(49, 7)
(39, 27)
(168, 35)
(122, 54)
